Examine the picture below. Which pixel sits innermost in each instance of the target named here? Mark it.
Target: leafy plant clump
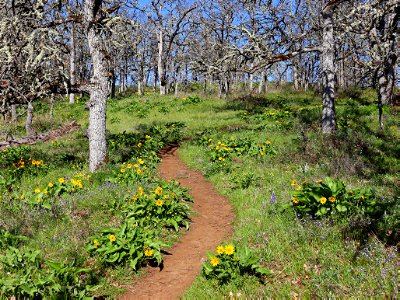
(228, 263)
(330, 197)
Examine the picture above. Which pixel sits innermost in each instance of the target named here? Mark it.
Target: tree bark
(14, 117)
(72, 61)
(51, 113)
(100, 89)
(161, 66)
(29, 119)
(328, 72)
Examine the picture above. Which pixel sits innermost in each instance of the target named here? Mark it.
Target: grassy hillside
(265, 153)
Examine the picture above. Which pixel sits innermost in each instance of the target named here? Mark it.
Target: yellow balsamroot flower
(141, 161)
(214, 261)
(22, 197)
(299, 188)
(229, 249)
(220, 158)
(147, 136)
(139, 145)
(220, 249)
(96, 243)
(38, 199)
(112, 238)
(294, 182)
(61, 180)
(216, 147)
(140, 191)
(322, 200)
(37, 191)
(166, 196)
(159, 202)
(138, 171)
(50, 185)
(122, 170)
(268, 142)
(158, 191)
(45, 191)
(332, 199)
(129, 166)
(148, 252)
(295, 200)
(136, 166)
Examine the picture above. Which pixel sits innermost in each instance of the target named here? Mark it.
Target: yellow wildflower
(141, 161)
(229, 249)
(268, 142)
(37, 191)
(220, 158)
(148, 252)
(140, 191)
(138, 171)
(139, 145)
(61, 180)
(112, 238)
(50, 185)
(158, 191)
(45, 191)
(22, 197)
(295, 200)
(322, 200)
(214, 261)
(96, 243)
(122, 170)
(136, 166)
(147, 136)
(220, 249)
(129, 166)
(298, 188)
(294, 182)
(332, 199)
(159, 202)
(166, 196)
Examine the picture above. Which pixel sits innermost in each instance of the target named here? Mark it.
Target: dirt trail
(211, 225)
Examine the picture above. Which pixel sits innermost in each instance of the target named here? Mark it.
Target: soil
(209, 227)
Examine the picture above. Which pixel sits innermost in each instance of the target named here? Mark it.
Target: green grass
(308, 258)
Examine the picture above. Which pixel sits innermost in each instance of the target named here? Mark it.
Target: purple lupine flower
(263, 204)
(273, 198)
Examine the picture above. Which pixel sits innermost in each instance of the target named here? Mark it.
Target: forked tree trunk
(29, 120)
(100, 87)
(328, 72)
(72, 60)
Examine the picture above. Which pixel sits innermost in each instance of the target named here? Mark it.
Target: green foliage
(329, 197)
(191, 100)
(229, 263)
(129, 244)
(165, 206)
(25, 274)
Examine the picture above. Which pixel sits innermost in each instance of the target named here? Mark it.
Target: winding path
(211, 225)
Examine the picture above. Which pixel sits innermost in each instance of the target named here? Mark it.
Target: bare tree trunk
(295, 67)
(100, 89)
(14, 117)
(161, 69)
(328, 72)
(51, 114)
(72, 61)
(29, 118)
